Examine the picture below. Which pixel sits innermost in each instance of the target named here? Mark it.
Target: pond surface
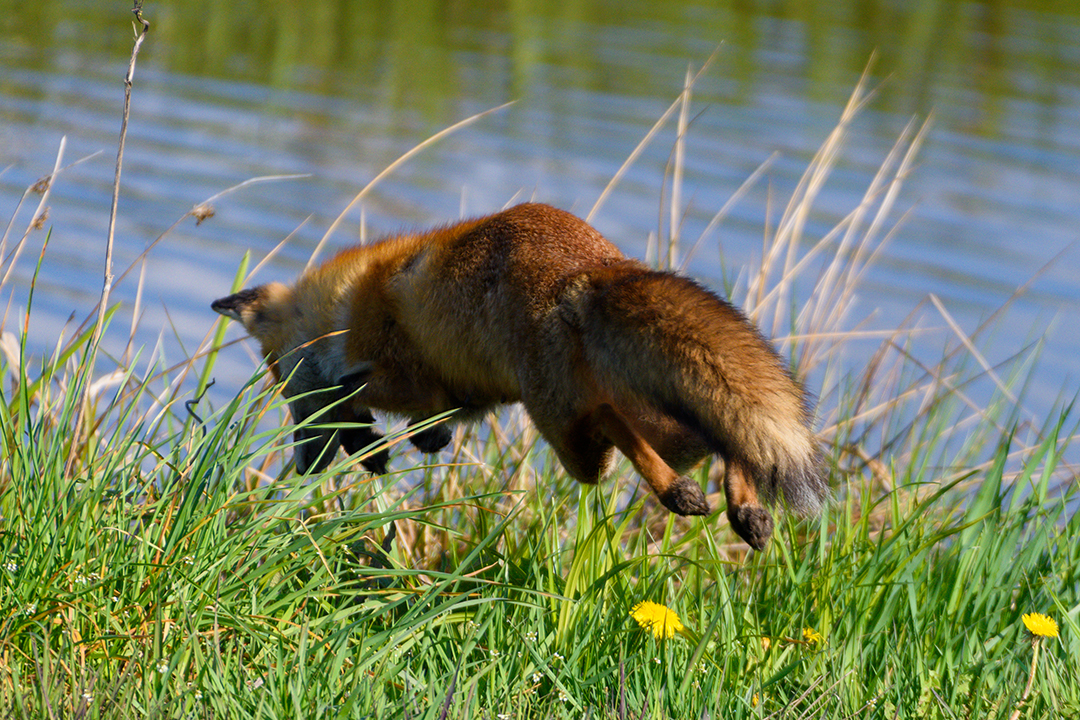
(335, 91)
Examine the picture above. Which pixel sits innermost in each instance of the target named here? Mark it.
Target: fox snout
(233, 305)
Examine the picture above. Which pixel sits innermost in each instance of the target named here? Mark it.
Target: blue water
(994, 196)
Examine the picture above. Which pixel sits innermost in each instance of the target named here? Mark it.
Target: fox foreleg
(401, 394)
(432, 439)
(355, 439)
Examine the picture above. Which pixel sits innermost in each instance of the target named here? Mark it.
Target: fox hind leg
(584, 446)
(678, 493)
(583, 454)
(748, 517)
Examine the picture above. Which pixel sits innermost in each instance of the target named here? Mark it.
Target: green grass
(156, 564)
(158, 582)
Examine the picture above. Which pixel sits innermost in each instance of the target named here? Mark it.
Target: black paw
(432, 439)
(314, 451)
(685, 497)
(356, 439)
(753, 524)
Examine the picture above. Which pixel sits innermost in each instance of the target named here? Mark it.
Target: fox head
(273, 318)
(268, 313)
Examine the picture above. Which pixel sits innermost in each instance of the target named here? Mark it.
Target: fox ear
(234, 305)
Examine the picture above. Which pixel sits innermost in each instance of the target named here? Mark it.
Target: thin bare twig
(677, 172)
(648, 138)
(142, 27)
(394, 166)
(128, 80)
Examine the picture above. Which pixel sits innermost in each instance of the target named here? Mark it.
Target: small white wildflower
(30, 609)
(557, 656)
(163, 667)
(81, 579)
(656, 660)
(493, 652)
(88, 696)
(188, 560)
(537, 677)
(563, 697)
(530, 636)
(504, 716)
(198, 695)
(11, 567)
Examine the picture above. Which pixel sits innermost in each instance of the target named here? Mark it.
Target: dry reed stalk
(394, 166)
(647, 139)
(103, 303)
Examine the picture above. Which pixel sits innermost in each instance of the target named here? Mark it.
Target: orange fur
(532, 305)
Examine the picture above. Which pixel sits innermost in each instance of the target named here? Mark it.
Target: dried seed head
(40, 220)
(202, 212)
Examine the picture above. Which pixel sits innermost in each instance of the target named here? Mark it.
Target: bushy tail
(697, 358)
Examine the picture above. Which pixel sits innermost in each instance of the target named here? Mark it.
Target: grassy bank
(165, 577)
(165, 580)
(160, 559)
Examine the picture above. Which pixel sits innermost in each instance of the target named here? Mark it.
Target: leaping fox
(533, 305)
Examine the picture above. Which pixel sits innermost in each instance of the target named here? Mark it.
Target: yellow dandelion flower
(812, 636)
(1040, 625)
(754, 700)
(766, 643)
(662, 622)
